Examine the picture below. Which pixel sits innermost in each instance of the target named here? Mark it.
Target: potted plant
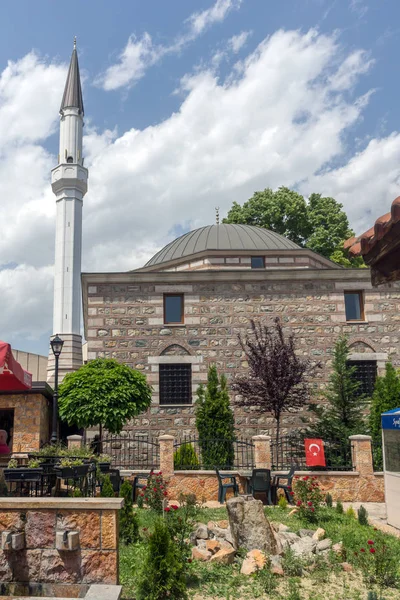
(104, 463)
(71, 468)
(31, 472)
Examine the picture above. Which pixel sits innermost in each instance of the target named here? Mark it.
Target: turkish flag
(315, 455)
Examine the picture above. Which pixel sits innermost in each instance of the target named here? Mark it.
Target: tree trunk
(100, 439)
(277, 434)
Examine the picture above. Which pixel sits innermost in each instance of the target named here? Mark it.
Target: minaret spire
(69, 184)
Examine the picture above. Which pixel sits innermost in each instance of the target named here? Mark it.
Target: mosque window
(175, 383)
(365, 373)
(173, 308)
(257, 262)
(354, 306)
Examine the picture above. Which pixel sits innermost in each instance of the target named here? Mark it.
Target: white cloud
(141, 53)
(237, 42)
(278, 119)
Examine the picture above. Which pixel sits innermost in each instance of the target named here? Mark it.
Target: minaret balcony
(69, 175)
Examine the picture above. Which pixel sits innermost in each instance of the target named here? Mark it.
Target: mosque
(184, 309)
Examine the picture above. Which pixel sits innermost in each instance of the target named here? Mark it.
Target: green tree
(164, 573)
(319, 224)
(215, 422)
(103, 393)
(342, 412)
(386, 396)
(128, 520)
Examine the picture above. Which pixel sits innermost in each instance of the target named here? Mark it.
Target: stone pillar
(361, 452)
(166, 455)
(262, 451)
(74, 441)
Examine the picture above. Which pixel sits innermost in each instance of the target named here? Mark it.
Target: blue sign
(391, 421)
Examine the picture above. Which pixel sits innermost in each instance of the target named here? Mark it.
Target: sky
(189, 105)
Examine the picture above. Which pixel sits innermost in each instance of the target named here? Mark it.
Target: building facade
(186, 308)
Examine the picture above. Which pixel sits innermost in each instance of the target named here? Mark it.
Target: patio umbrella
(12, 376)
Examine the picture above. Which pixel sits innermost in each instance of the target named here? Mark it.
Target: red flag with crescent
(315, 455)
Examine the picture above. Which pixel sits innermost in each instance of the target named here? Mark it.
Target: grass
(326, 581)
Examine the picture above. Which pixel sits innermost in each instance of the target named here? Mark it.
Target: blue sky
(188, 105)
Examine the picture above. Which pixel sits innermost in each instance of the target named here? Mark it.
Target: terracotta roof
(365, 242)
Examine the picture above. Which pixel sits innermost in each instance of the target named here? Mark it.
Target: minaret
(69, 184)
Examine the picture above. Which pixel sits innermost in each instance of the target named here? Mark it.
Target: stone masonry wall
(39, 562)
(31, 420)
(125, 321)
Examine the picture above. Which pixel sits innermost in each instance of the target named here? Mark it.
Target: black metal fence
(130, 451)
(289, 451)
(193, 453)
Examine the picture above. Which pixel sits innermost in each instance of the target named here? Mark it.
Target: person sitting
(4, 449)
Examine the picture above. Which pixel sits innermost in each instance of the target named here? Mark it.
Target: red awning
(12, 376)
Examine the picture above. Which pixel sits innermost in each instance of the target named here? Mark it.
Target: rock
(211, 525)
(249, 526)
(323, 545)
(224, 556)
(346, 567)
(200, 554)
(254, 561)
(306, 532)
(277, 570)
(283, 527)
(213, 546)
(287, 538)
(225, 544)
(224, 524)
(293, 511)
(305, 547)
(201, 544)
(201, 532)
(319, 534)
(338, 548)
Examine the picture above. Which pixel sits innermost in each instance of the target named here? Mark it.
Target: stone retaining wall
(96, 559)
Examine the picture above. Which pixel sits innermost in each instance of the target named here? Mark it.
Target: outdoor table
(246, 475)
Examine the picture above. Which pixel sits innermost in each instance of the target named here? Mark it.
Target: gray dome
(222, 237)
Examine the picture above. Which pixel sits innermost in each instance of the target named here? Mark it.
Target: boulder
(319, 534)
(201, 544)
(200, 554)
(223, 524)
(306, 532)
(222, 534)
(323, 545)
(224, 556)
(201, 532)
(254, 561)
(213, 546)
(277, 570)
(305, 547)
(283, 528)
(249, 526)
(287, 538)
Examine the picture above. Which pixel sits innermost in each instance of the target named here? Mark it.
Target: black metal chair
(139, 482)
(286, 487)
(261, 483)
(224, 487)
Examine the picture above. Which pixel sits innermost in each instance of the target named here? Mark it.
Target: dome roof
(226, 236)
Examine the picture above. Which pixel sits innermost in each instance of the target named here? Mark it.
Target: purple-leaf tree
(278, 379)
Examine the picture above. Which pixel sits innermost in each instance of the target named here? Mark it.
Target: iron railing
(130, 451)
(195, 453)
(289, 451)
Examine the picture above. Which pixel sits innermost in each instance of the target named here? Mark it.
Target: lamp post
(56, 346)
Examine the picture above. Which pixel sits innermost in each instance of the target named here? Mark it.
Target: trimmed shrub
(107, 490)
(339, 508)
(128, 520)
(362, 515)
(328, 500)
(185, 457)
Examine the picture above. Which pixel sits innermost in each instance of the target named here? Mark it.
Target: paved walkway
(376, 515)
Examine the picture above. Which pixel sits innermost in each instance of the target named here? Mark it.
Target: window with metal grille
(365, 373)
(175, 384)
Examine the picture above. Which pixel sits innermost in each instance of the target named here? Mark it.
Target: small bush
(328, 500)
(185, 457)
(77, 493)
(292, 564)
(339, 508)
(362, 515)
(155, 492)
(308, 497)
(351, 513)
(282, 503)
(378, 561)
(267, 579)
(107, 490)
(128, 520)
(164, 573)
(293, 592)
